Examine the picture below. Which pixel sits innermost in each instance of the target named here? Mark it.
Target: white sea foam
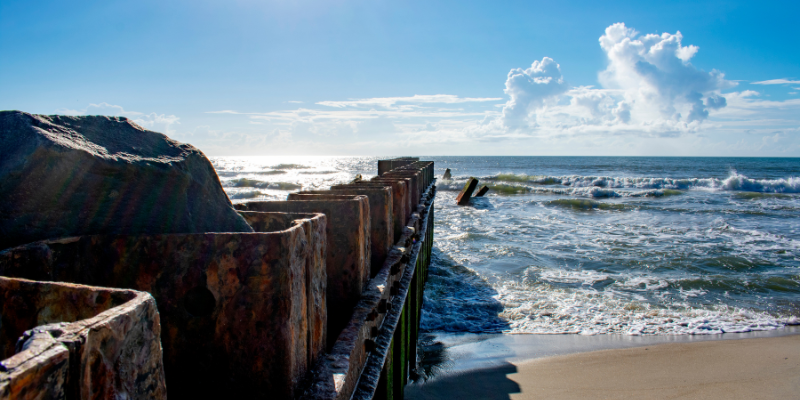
(544, 310)
(734, 182)
(583, 277)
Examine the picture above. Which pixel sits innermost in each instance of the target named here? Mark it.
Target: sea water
(591, 245)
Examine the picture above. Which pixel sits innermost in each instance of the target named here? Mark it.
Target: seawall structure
(318, 298)
(61, 340)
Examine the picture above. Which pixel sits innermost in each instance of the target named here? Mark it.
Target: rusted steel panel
(404, 193)
(416, 182)
(466, 192)
(381, 217)
(242, 313)
(78, 342)
(348, 250)
(399, 201)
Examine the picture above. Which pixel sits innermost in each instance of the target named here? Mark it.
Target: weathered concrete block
(78, 342)
(381, 217)
(482, 191)
(243, 314)
(348, 250)
(466, 192)
(66, 176)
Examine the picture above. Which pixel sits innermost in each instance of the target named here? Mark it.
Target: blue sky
(707, 78)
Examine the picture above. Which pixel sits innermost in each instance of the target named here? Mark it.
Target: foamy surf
(534, 306)
(594, 255)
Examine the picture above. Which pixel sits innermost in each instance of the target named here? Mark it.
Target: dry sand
(764, 368)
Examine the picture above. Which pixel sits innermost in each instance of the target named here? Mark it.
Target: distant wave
(237, 173)
(734, 182)
(252, 183)
(593, 192)
(288, 166)
(604, 186)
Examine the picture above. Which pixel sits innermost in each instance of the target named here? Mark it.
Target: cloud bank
(648, 93)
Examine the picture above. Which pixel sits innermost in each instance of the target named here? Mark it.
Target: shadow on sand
(487, 383)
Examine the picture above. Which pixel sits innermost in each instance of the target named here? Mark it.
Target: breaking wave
(735, 181)
(253, 183)
(609, 187)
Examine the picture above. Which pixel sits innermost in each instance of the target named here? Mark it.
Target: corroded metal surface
(416, 182)
(326, 302)
(388, 165)
(358, 357)
(78, 342)
(466, 192)
(407, 299)
(401, 189)
(348, 249)
(399, 210)
(242, 313)
(380, 212)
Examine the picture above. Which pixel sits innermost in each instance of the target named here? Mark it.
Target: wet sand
(760, 368)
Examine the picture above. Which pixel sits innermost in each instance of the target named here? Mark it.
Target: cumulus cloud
(529, 90)
(649, 85)
(656, 76)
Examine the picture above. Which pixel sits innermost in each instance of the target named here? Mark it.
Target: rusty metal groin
(322, 300)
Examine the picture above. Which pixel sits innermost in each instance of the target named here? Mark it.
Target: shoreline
(503, 366)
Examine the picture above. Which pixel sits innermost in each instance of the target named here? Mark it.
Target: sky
(388, 78)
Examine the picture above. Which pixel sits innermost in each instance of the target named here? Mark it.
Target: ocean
(635, 246)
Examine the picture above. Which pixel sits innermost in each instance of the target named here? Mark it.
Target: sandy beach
(760, 368)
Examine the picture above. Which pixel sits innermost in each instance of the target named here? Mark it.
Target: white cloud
(648, 86)
(389, 102)
(318, 115)
(657, 78)
(782, 81)
(153, 121)
(649, 93)
(529, 90)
